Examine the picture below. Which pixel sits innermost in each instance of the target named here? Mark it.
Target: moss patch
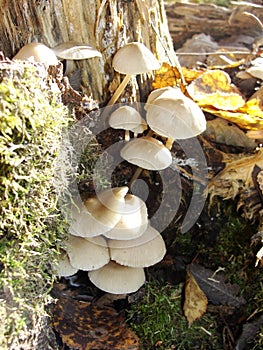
(32, 120)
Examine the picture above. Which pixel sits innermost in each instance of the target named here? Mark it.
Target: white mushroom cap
(72, 50)
(87, 254)
(133, 222)
(134, 58)
(143, 251)
(37, 52)
(64, 268)
(155, 94)
(116, 279)
(140, 128)
(147, 152)
(175, 116)
(256, 71)
(125, 117)
(99, 214)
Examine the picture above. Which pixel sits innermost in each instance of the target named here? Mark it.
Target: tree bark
(104, 24)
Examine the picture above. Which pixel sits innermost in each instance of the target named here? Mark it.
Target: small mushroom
(87, 254)
(144, 251)
(133, 222)
(147, 152)
(98, 214)
(132, 59)
(175, 116)
(74, 51)
(64, 268)
(37, 52)
(127, 118)
(116, 279)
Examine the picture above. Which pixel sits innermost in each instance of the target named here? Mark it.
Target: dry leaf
(214, 286)
(166, 76)
(249, 117)
(85, 326)
(260, 180)
(221, 131)
(214, 88)
(195, 303)
(236, 177)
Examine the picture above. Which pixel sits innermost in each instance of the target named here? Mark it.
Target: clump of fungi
(111, 236)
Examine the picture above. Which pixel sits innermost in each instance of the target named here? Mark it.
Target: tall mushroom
(175, 116)
(132, 59)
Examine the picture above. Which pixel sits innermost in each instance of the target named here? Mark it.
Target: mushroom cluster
(111, 238)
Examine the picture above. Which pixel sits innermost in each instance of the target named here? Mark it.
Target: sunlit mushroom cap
(176, 116)
(155, 94)
(144, 251)
(87, 254)
(125, 117)
(64, 268)
(147, 152)
(98, 214)
(134, 58)
(37, 52)
(116, 279)
(72, 50)
(133, 222)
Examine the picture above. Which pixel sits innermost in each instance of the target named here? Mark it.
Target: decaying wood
(187, 19)
(104, 24)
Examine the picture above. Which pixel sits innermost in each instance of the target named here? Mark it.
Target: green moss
(159, 321)
(32, 120)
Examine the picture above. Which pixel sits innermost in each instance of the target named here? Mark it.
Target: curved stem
(119, 90)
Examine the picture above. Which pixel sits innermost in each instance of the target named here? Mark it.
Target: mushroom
(127, 118)
(155, 94)
(99, 214)
(87, 254)
(116, 279)
(74, 51)
(64, 268)
(147, 152)
(175, 116)
(144, 251)
(133, 222)
(132, 59)
(37, 52)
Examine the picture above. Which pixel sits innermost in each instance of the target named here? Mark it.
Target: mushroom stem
(127, 135)
(169, 143)
(119, 90)
(138, 170)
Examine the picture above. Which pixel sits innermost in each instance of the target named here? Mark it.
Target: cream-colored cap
(87, 254)
(135, 58)
(37, 52)
(144, 251)
(147, 152)
(116, 279)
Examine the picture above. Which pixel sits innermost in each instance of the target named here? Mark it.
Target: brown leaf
(85, 326)
(195, 303)
(221, 131)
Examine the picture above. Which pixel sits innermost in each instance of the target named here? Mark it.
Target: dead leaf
(213, 285)
(221, 131)
(85, 326)
(195, 303)
(166, 76)
(249, 332)
(214, 88)
(236, 177)
(249, 116)
(260, 180)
